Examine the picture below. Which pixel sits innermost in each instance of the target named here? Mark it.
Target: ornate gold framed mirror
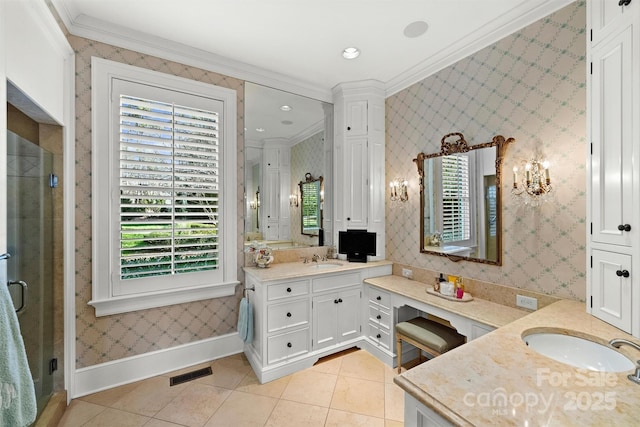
(311, 199)
(460, 199)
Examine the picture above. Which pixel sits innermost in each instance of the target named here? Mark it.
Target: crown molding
(98, 30)
(306, 133)
(504, 25)
(507, 23)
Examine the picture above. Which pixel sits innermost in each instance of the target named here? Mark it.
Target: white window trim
(103, 299)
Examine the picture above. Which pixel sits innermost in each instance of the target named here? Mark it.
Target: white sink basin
(578, 352)
(325, 266)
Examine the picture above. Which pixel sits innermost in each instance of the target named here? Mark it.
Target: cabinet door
(325, 320)
(611, 288)
(608, 16)
(356, 183)
(271, 204)
(356, 118)
(284, 218)
(348, 314)
(271, 158)
(611, 134)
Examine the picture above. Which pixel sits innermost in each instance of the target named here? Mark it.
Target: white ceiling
(296, 45)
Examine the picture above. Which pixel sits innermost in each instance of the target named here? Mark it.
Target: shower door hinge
(53, 365)
(53, 180)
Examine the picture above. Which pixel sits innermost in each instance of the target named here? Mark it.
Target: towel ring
(244, 293)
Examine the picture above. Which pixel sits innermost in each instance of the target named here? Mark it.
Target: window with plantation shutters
(164, 189)
(456, 214)
(169, 180)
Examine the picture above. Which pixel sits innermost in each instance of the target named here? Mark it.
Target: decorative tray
(465, 298)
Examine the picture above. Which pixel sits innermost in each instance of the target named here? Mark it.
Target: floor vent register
(190, 376)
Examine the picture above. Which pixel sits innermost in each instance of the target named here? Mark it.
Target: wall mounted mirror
(311, 199)
(286, 136)
(460, 199)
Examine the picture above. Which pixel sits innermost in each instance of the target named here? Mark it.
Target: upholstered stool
(428, 335)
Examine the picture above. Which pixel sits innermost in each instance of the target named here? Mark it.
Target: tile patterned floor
(350, 389)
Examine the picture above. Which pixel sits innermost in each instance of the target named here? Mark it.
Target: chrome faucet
(617, 342)
(304, 259)
(315, 258)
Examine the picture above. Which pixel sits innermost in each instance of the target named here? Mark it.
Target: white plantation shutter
(492, 210)
(164, 189)
(456, 215)
(169, 181)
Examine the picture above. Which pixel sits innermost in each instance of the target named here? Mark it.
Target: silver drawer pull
(5, 256)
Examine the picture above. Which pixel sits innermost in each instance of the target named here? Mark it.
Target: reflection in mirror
(286, 136)
(460, 205)
(311, 195)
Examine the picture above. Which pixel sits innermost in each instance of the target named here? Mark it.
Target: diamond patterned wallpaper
(109, 338)
(531, 86)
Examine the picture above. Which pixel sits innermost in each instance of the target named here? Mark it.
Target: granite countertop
(479, 310)
(497, 380)
(290, 270)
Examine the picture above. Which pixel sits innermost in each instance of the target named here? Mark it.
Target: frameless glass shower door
(30, 243)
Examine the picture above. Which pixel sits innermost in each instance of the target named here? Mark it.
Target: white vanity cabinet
(336, 317)
(613, 290)
(299, 319)
(379, 318)
(336, 309)
(282, 319)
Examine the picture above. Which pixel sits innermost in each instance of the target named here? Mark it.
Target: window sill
(128, 303)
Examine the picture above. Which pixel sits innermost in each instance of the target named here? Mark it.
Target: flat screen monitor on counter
(357, 244)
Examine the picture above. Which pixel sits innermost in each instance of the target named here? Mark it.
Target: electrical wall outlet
(527, 302)
(407, 273)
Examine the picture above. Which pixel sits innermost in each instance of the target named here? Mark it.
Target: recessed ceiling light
(350, 53)
(259, 129)
(415, 29)
(286, 108)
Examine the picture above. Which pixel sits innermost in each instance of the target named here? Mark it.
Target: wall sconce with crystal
(293, 200)
(255, 203)
(533, 187)
(398, 188)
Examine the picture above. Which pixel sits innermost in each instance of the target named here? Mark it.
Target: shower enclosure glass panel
(30, 243)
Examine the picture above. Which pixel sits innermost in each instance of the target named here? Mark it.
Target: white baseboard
(385, 356)
(123, 371)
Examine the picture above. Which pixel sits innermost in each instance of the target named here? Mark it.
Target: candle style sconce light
(398, 188)
(294, 200)
(255, 203)
(533, 186)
